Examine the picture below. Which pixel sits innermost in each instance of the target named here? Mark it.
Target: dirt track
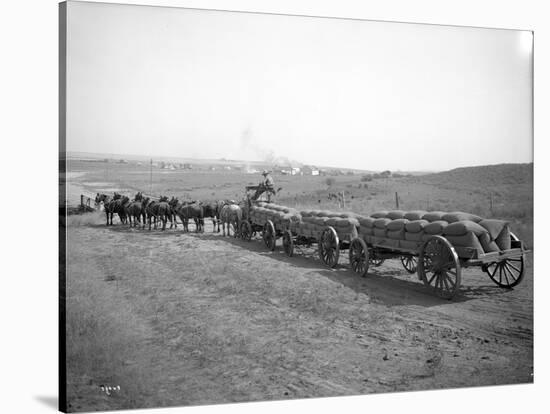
(213, 319)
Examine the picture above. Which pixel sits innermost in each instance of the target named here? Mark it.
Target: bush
(330, 181)
(366, 177)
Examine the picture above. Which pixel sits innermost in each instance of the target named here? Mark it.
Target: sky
(359, 94)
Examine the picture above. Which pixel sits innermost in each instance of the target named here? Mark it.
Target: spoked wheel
(288, 243)
(246, 231)
(409, 263)
(269, 235)
(439, 267)
(375, 260)
(359, 256)
(329, 247)
(507, 273)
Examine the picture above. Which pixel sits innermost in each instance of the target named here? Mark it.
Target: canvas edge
(62, 197)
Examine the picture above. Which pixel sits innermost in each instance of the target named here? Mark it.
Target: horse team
(145, 210)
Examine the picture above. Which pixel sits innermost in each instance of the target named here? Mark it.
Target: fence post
(396, 201)
(343, 199)
(81, 200)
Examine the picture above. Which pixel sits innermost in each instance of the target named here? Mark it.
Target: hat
(264, 172)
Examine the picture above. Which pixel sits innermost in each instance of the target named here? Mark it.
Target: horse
(163, 211)
(150, 210)
(174, 205)
(101, 198)
(231, 214)
(211, 210)
(119, 206)
(194, 211)
(158, 210)
(136, 211)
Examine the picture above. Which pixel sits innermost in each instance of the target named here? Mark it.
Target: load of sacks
(409, 230)
(467, 232)
(315, 221)
(281, 216)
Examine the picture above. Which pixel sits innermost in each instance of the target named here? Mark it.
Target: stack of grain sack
(468, 233)
(315, 221)
(281, 216)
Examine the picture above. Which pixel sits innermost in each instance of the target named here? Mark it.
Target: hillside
(483, 176)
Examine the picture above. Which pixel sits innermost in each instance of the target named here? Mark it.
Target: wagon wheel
(329, 247)
(269, 235)
(246, 231)
(359, 256)
(508, 272)
(288, 243)
(409, 263)
(374, 259)
(439, 267)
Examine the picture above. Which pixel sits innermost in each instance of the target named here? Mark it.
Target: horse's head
(173, 201)
(138, 197)
(116, 196)
(125, 199)
(101, 198)
(163, 198)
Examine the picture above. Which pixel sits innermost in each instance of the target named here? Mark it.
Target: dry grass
(102, 339)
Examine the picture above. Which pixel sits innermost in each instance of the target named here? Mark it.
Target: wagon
(438, 259)
(248, 228)
(331, 243)
(439, 264)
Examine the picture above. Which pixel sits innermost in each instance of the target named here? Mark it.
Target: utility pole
(151, 178)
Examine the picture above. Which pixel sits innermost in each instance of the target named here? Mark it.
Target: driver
(269, 184)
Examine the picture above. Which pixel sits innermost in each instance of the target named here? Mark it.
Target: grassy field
(499, 191)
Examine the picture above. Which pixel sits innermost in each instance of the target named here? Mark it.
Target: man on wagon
(268, 184)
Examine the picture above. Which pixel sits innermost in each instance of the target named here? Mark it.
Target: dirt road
(178, 319)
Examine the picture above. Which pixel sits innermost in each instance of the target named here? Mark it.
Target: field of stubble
(179, 318)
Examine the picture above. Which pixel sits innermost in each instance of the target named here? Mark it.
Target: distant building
(187, 166)
(310, 170)
(295, 171)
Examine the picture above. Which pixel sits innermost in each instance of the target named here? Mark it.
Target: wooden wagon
(439, 264)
